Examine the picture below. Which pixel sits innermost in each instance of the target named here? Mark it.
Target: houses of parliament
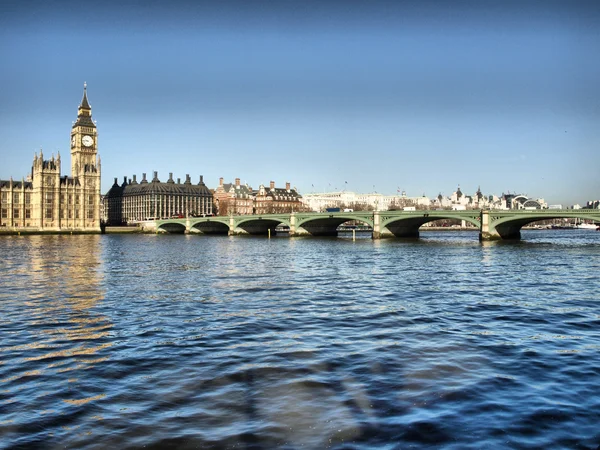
(48, 201)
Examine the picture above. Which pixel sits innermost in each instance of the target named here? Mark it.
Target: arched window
(532, 204)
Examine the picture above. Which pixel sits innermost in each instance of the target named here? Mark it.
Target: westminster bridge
(492, 224)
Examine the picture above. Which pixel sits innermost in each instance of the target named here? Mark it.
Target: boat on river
(586, 226)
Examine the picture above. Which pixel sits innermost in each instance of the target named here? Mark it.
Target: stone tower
(85, 162)
(84, 139)
(46, 191)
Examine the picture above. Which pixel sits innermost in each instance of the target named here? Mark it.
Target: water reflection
(217, 342)
(66, 276)
(52, 327)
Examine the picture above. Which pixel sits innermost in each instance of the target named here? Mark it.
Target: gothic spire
(84, 100)
(84, 112)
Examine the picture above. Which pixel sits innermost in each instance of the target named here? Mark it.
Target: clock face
(87, 141)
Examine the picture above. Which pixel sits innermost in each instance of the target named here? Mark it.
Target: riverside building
(274, 200)
(361, 202)
(48, 201)
(134, 201)
(241, 199)
(233, 198)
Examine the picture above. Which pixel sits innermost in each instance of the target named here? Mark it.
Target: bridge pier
(238, 232)
(300, 231)
(376, 225)
(231, 231)
(487, 233)
(486, 236)
(292, 224)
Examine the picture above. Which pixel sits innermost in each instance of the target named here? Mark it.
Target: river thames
(179, 341)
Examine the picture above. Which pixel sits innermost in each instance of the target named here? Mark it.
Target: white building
(457, 200)
(371, 201)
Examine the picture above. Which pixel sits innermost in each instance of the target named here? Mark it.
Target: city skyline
(420, 97)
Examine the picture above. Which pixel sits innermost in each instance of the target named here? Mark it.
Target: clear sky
(420, 96)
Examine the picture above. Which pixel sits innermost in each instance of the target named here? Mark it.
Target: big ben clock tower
(84, 139)
(85, 165)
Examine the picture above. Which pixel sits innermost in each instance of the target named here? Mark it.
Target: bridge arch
(258, 225)
(407, 225)
(508, 226)
(317, 225)
(210, 226)
(171, 227)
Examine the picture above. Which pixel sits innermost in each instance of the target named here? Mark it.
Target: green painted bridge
(492, 224)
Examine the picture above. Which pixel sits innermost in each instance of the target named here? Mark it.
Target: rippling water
(216, 342)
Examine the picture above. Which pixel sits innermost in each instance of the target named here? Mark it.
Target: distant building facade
(48, 201)
(239, 199)
(233, 198)
(373, 201)
(273, 200)
(520, 201)
(457, 200)
(134, 202)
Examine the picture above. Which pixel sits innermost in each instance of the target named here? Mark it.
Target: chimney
(202, 179)
(155, 176)
(188, 179)
(287, 186)
(116, 182)
(220, 180)
(125, 179)
(272, 185)
(144, 178)
(237, 182)
(178, 180)
(134, 179)
(170, 180)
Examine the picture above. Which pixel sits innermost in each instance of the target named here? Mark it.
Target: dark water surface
(148, 341)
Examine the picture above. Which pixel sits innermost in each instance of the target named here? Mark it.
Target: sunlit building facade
(48, 201)
(233, 198)
(373, 201)
(134, 201)
(274, 200)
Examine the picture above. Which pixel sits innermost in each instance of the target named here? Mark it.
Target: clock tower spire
(84, 139)
(85, 166)
(84, 100)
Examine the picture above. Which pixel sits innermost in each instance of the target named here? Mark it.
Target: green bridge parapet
(492, 224)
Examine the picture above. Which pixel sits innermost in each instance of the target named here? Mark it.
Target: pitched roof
(5, 184)
(84, 101)
(84, 118)
(241, 191)
(281, 193)
(157, 187)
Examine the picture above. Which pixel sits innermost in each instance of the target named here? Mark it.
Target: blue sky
(418, 96)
